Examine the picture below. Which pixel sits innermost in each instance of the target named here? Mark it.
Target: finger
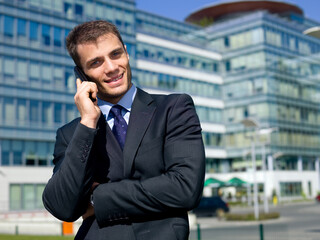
(78, 82)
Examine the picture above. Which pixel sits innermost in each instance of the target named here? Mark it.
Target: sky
(180, 9)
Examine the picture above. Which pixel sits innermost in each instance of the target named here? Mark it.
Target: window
(21, 112)
(226, 42)
(8, 26)
(79, 9)
(34, 28)
(9, 66)
(5, 158)
(46, 34)
(57, 5)
(17, 147)
(34, 70)
(99, 11)
(1, 65)
(58, 76)
(22, 27)
(57, 113)
(17, 158)
(70, 113)
(26, 196)
(57, 36)
(22, 70)
(46, 113)
(46, 72)
(69, 81)
(47, 4)
(290, 189)
(90, 9)
(9, 115)
(68, 10)
(34, 111)
(15, 197)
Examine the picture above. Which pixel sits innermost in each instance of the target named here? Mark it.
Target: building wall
(21, 180)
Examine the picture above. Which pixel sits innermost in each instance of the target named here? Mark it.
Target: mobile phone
(80, 74)
(83, 77)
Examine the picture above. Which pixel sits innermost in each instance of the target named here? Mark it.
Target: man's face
(106, 62)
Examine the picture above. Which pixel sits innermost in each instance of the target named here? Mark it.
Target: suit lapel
(140, 117)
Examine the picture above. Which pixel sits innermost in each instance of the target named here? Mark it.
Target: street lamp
(264, 167)
(251, 123)
(244, 158)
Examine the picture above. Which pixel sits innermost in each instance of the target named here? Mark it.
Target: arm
(178, 188)
(67, 192)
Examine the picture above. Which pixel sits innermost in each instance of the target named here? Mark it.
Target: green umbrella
(237, 182)
(213, 182)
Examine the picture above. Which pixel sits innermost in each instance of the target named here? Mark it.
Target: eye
(116, 54)
(95, 63)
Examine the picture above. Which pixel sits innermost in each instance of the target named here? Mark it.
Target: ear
(125, 47)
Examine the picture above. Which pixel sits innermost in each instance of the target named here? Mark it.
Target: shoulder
(173, 99)
(71, 125)
(168, 98)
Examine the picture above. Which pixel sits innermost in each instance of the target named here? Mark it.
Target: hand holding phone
(83, 77)
(88, 107)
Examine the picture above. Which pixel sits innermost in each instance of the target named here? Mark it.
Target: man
(137, 188)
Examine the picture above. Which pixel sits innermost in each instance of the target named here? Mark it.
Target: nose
(110, 66)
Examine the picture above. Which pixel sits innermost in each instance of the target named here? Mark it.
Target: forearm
(179, 189)
(66, 194)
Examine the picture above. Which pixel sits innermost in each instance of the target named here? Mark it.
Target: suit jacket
(146, 190)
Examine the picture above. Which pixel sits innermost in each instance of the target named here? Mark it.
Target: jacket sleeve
(67, 192)
(179, 188)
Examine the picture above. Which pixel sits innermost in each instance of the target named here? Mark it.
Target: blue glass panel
(79, 9)
(17, 158)
(5, 158)
(22, 27)
(46, 34)
(57, 36)
(8, 26)
(57, 113)
(67, 7)
(34, 26)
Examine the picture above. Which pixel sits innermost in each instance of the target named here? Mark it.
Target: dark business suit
(147, 189)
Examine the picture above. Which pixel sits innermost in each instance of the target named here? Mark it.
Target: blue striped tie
(120, 126)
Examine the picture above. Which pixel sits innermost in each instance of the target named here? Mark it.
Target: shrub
(250, 216)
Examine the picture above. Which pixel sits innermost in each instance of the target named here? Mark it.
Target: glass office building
(270, 73)
(253, 65)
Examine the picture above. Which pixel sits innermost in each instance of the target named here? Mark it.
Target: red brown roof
(218, 11)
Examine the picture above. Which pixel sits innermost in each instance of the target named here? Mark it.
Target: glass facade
(271, 75)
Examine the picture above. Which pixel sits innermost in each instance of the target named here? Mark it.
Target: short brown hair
(89, 32)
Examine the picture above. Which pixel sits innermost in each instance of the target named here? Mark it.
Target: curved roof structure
(222, 10)
(314, 32)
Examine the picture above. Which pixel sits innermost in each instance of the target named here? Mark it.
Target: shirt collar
(126, 101)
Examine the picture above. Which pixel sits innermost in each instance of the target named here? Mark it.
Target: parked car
(318, 198)
(211, 206)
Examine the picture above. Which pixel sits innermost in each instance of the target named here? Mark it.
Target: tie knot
(116, 110)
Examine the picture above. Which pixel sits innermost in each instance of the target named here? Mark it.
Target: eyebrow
(92, 60)
(117, 49)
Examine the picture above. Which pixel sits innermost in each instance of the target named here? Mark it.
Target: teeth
(117, 78)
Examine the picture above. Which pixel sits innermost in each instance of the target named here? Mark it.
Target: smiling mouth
(115, 79)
